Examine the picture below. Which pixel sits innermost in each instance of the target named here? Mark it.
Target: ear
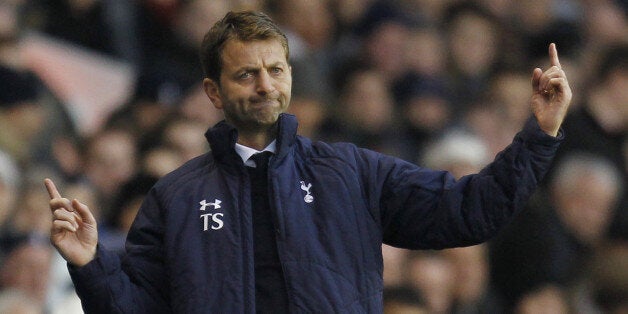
(212, 90)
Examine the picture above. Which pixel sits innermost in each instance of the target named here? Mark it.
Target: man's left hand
(551, 94)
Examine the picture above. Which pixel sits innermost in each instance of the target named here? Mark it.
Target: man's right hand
(73, 231)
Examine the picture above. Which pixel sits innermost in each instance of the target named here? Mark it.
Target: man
(220, 235)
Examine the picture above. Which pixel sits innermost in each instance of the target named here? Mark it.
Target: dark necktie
(270, 290)
(261, 161)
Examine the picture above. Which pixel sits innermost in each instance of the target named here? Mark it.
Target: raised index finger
(553, 54)
(52, 189)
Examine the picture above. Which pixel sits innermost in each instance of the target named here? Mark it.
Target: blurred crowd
(443, 83)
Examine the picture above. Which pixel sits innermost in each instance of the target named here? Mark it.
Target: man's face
(255, 84)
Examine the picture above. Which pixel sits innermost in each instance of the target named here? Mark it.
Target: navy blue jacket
(190, 247)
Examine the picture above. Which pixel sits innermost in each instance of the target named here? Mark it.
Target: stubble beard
(256, 117)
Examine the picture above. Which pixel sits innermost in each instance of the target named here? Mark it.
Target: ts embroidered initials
(213, 220)
(308, 198)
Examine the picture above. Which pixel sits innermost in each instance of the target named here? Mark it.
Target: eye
(276, 70)
(245, 75)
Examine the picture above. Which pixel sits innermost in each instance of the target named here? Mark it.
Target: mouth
(263, 102)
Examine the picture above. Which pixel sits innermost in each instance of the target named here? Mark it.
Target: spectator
(463, 154)
(171, 37)
(312, 113)
(26, 267)
(432, 275)
(18, 302)
(472, 291)
(21, 115)
(607, 281)
(366, 112)
(29, 217)
(547, 299)
(473, 35)
(111, 160)
(9, 183)
(185, 137)
(385, 31)
(194, 106)
(425, 112)
(599, 125)
(310, 36)
(501, 111)
(395, 270)
(116, 225)
(458, 152)
(403, 300)
(553, 241)
(424, 53)
(160, 160)
(108, 27)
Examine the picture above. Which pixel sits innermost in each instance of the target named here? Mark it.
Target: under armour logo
(204, 204)
(308, 198)
(211, 220)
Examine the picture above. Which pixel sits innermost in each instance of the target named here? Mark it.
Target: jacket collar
(223, 136)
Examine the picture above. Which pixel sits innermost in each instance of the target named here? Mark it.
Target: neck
(607, 113)
(257, 139)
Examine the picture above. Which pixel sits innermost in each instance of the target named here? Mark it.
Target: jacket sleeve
(136, 284)
(426, 209)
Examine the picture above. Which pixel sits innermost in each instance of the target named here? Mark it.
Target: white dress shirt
(246, 152)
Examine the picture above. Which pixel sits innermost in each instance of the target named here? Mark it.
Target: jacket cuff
(532, 133)
(93, 275)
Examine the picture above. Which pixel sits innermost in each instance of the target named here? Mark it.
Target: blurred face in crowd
(607, 101)
(617, 84)
(470, 268)
(605, 22)
(427, 112)
(316, 27)
(548, 299)
(424, 52)
(511, 91)
(27, 268)
(367, 101)
(18, 302)
(195, 17)
(111, 160)
(585, 193)
(533, 15)
(161, 160)
(255, 84)
(7, 200)
(586, 206)
(433, 276)
(8, 21)
(311, 114)
(31, 216)
(385, 48)
(394, 258)
(194, 107)
(349, 12)
(186, 138)
(27, 119)
(473, 41)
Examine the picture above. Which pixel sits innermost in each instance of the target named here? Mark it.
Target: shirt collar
(246, 152)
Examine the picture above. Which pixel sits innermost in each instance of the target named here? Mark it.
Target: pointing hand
(551, 94)
(73, 231)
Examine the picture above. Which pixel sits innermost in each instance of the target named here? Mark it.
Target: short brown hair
(243, 26)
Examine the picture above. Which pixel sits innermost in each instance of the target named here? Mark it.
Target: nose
(264, 83)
